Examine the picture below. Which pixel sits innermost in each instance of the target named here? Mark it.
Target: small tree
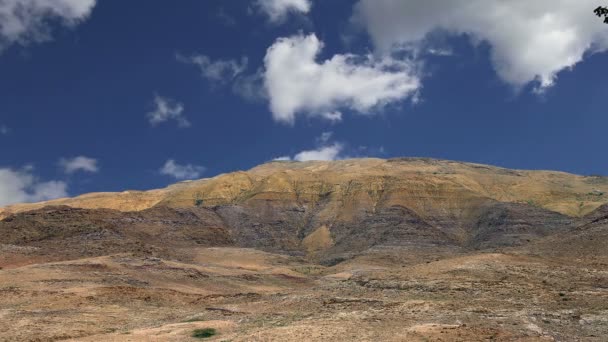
(198, 199)
(602, 11)
(204, 333)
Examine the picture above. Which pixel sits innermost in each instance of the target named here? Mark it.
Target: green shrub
(204, 333)
(198, 199)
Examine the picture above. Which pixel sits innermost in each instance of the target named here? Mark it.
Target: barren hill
(420, 184)
(369, 249)
(334, 209)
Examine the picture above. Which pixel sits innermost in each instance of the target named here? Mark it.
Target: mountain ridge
(566, 193)
(331, 211)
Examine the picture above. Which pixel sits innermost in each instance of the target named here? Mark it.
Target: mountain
(421, 184)
(334, 209)
(344, 243)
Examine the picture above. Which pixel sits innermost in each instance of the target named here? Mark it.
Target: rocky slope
(585, 242)
(426, 186)
(367, 249)
(329, 211)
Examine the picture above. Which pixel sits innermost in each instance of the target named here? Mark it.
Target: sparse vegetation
(204, 333)
(323, 190)
(198, 199)
(309, 270)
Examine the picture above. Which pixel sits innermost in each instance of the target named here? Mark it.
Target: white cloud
(297, 84)
(80, 163)
(181, 172)
(167, 109)
(440, 51)
(18, 186)
(277, 10)
(330, 152)
(327, 151)
(324, 151)
(333, 116)
(25, 21)
(4, 130)
(530, 40)
(221, 71)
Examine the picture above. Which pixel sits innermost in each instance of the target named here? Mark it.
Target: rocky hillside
(329, 211)
(425, 186)
(370, 249)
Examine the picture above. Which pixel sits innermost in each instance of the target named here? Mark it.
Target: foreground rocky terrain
(367, 249)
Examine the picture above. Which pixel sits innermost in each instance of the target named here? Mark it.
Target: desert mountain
(425, 186)
(337, 250)
(330, 210)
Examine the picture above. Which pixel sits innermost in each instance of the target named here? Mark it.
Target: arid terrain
(356, 250)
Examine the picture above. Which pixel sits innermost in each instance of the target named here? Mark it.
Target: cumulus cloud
(181, 172)
(325, 150)
(25, 21)
(324, 153)
(165, 110)
(18, 186)
(277, 10)
(296, 83)
(530, 40)
(330, 152)
(221, 71)
(80, 163)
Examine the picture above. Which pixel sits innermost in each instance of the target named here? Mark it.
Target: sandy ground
(248, 295)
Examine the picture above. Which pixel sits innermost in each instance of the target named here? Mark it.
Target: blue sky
(110, 95)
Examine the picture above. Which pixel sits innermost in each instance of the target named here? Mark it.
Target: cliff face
(334, 210)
